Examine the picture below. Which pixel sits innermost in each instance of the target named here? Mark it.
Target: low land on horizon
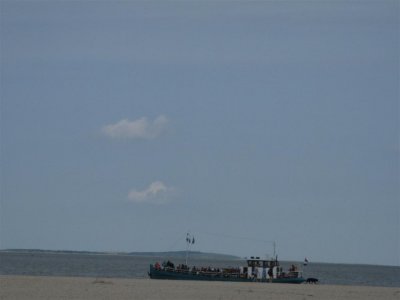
(172, 254)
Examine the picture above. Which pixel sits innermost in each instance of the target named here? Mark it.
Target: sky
(127, 124)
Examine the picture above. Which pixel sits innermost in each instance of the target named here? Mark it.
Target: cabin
(261, 269)
(267, 269)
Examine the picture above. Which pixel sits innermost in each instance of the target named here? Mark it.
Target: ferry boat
(256, 270)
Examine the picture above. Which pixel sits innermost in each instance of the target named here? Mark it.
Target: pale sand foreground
(35, 287)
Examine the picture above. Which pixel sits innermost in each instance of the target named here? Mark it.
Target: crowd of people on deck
(168, 265)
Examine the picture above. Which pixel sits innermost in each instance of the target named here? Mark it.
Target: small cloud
(138, 129)
(157, 193)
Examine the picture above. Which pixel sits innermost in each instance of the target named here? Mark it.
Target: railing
(201, 272)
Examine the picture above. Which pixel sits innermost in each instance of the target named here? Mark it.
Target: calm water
(126, 266)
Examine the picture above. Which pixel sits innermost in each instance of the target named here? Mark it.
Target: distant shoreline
(172, 254)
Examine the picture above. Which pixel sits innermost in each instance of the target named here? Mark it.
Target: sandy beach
(36, 287)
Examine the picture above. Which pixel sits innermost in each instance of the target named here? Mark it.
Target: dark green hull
(186, 275)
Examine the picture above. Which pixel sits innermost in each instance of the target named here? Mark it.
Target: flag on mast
(305, 261)
(189, 239)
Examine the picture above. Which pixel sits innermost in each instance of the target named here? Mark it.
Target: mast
(189, 241)
(274, 245)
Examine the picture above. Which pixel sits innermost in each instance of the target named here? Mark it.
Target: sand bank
(35, 287)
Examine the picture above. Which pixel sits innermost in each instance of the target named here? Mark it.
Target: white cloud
(138, 129)
(157, 192)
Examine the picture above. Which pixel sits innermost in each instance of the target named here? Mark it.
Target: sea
(133, 266)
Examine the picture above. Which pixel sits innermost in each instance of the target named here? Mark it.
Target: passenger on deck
(170, 265)
(270, 273)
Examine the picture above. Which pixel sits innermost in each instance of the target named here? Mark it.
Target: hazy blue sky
(126, 124)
